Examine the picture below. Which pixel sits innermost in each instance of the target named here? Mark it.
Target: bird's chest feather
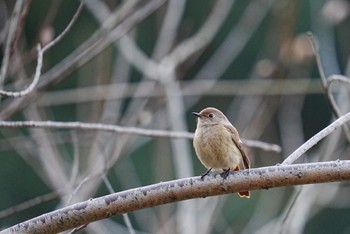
(215, 148)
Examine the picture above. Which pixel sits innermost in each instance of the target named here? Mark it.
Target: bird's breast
(215, 148)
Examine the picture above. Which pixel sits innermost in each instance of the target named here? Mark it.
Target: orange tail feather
(245, 194)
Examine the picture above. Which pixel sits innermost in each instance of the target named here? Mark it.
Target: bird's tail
(245, 194)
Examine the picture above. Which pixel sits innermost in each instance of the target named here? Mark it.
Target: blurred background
(149, 64)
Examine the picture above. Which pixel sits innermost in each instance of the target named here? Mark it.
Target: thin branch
(201, 39)
(86, 52)
(318, 59)
(95, 127)
(28, 204)
(262, 145)
(147, 89)
(11, 34)
(336, 110)
(316, 138)
(124, 130)
(24, 13)
(67, 29)
(35, 79)
(235, 41)
(331, 80)
(41, 52)
(78, 229)
(326, 83)
(183, 189)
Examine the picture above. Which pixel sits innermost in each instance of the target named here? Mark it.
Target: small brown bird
(218, 145)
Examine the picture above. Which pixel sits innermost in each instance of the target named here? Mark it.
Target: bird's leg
(206, 173)
(225, 173)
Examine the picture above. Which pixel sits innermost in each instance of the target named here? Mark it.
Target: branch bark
(183, 189)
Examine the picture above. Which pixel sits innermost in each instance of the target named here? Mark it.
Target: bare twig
(326, 83)
(21, 22)
(330, 81)
(11, 34)
(95, 127)
(183, 189)
(236, 40)
(67, 29)
(35, 79)
(85, 52)
(318, 60)
(41, 52)
(148, 89)
(28, 204)
(262, 145)
(316, 138)
(201, 39)
(78, 229)
(120, 129)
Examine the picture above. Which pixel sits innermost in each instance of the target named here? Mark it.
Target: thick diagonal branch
(183, 189)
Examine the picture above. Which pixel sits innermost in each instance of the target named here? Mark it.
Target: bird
(218, 145)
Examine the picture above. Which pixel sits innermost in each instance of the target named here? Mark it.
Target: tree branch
(126, 130)
(11, 35)
(327, 82)
(183, 189)
(85, 53)
(41, 52)
(316, 138)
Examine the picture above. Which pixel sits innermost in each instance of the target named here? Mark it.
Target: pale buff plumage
(217, 143)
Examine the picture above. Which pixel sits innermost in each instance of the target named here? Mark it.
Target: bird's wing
(239, 144)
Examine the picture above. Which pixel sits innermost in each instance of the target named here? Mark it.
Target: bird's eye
(211, 115)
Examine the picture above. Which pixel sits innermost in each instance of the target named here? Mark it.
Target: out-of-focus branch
(183, 189)
(149, 89)
(327, 82)
(41, 52)
(11, 35)
(124, 130)
(85, 52)
(201, 39)
(35, 79)
(331, 80)
(236, 40)
(28, 204)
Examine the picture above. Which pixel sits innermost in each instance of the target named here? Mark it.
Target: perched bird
(218, 145)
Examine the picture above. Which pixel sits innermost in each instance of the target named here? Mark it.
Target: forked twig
(326, 84)
(41, 52)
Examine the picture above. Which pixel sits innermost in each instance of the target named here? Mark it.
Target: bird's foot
(225, 173)
(206, 173)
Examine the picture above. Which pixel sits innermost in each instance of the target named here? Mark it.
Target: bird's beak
(196, 114)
